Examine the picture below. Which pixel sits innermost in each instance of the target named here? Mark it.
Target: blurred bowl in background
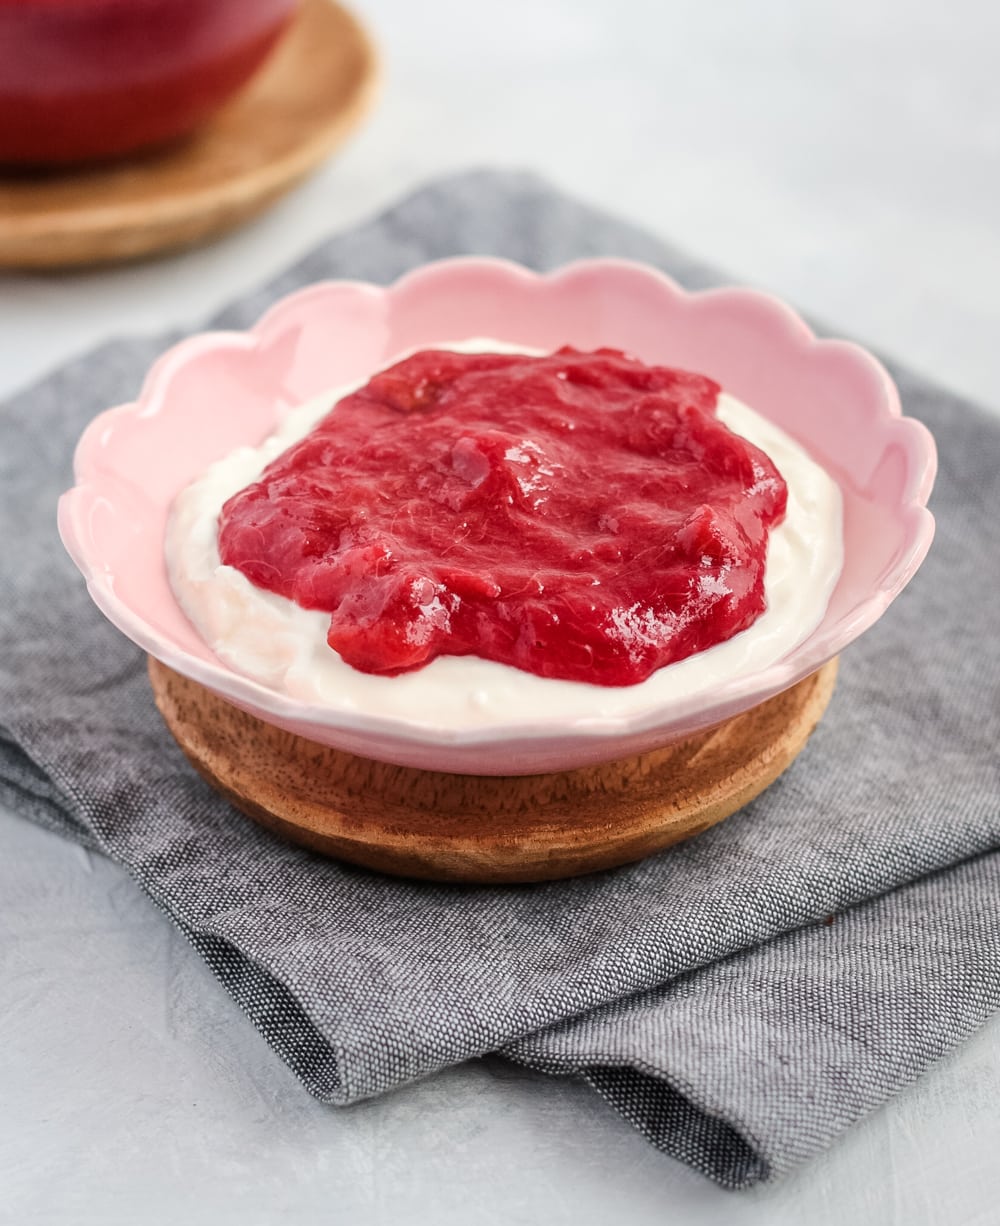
(82, 80)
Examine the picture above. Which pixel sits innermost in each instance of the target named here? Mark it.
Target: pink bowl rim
(675, 718)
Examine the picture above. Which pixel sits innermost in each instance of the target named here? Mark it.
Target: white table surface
(846, 156)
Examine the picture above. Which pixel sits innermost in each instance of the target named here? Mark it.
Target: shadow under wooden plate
(302, 105)
(481, 828)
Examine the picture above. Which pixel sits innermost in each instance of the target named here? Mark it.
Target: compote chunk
(578, 515)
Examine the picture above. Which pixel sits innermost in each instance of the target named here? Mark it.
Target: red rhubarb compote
(577, 515)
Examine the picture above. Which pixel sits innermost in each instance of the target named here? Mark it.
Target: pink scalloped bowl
(219, 391)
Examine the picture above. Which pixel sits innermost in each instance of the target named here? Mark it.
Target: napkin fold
(740, 998)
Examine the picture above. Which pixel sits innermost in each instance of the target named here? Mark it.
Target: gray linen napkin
(740, 998)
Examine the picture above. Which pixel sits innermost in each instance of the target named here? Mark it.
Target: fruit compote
(577, 515)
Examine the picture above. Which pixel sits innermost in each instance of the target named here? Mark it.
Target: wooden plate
(481, 828)
(312, 92)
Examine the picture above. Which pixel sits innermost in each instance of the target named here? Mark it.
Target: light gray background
(846, 156)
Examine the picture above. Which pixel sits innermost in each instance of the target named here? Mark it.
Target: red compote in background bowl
(87, 79)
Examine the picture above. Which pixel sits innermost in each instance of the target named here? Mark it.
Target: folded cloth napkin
(739, 998)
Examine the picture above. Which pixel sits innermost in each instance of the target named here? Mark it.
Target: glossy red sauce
(579, 515)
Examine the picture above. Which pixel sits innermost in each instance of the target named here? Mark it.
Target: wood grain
(479, 828)
(311, 94)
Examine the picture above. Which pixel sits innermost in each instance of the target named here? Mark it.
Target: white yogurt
(276, 642)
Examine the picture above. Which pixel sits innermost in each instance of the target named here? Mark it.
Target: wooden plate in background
(306, 100)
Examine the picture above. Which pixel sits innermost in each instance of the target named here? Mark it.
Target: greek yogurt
(284, 646)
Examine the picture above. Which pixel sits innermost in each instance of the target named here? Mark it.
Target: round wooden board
(481, 828)
(311, 93)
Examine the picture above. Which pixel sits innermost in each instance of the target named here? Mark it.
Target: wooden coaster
(481, 828)
(312, 92)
